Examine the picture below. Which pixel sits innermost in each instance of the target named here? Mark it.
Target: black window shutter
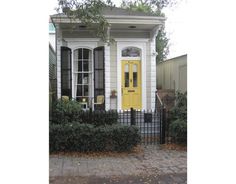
(99, 73)
(66, 79)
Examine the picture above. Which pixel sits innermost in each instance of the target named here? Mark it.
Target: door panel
(131, 84)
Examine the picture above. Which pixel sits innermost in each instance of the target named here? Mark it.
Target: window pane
(80, 54)
(135, 68)
(79, 79)
(135, 79)
(86, 91)
(131, 52)
(79, 91)
(135, 75)
(85, 78)
(80, 69)
(126, 68)
(126, 75)
(85, 54)
(126, 79)
(86, 66)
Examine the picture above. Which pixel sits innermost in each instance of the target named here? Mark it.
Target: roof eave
(116, 19)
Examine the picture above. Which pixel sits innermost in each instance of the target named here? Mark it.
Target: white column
(107, 76)
(153, 72)
(58, 52)
(153, 35)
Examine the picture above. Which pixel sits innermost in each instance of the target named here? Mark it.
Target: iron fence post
(163, 125)
(132, 116)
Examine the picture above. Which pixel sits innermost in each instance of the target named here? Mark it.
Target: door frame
(138, 88)
(141, 44)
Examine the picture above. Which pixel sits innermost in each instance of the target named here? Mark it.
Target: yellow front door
(131, 85)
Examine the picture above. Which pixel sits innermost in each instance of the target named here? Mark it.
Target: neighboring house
(52, 72)
(52, 35)
(88, 67)
(172, 74)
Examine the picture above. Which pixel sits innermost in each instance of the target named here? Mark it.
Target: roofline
(173, 58)
(115, 16)
(114, 19)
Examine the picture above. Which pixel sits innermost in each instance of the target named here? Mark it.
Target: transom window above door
(131, 52)
(83, 74)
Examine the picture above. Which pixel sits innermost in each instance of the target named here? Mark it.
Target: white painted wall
(112, 63)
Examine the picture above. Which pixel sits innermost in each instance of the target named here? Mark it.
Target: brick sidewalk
(165, 166)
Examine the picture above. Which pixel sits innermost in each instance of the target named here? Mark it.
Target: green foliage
(86, 137)
(162, 45)
(178, 131)
(70, 112)
(155, 8)
(137, 6)
(179, 111)
(64, 111)
(150, 5)
(89, 12)
(178, 119)
(98, 118)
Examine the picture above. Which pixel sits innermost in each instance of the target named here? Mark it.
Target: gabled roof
(116, 12)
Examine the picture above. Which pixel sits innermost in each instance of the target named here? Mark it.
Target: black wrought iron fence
(151, 123)
(148, 122)
(161, 110)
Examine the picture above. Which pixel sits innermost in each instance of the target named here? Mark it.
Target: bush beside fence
(177, 120)
(70, 111)
(87, 137)
(98, 118)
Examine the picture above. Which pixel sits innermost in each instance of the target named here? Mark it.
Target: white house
(52, 34)
(88, 67)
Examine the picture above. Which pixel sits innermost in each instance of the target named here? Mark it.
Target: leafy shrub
(99, 118)
(65, 111)
(70, 111)
(178, 131)
(125, 137)
(179, 111)
(87, 137)
(177, 119)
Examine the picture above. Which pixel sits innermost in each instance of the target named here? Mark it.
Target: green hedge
(65, 111)
(70, 111)
(87, 137)
(99, 118)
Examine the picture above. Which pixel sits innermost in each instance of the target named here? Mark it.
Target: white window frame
(77, 43)
(90, 74)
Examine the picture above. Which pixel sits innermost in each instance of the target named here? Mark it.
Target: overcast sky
(175, 25)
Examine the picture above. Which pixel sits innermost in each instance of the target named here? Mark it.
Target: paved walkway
(154, 165)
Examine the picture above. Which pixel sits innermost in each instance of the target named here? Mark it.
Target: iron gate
(151, 123)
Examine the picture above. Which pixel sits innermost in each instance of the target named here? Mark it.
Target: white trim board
(131, 43)
(82, 39)
(77, 43)
(132, 40)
